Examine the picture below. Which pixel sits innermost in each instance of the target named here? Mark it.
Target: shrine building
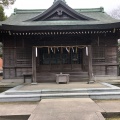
(60, 39)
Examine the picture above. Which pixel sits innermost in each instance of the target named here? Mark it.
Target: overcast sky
(44, 4)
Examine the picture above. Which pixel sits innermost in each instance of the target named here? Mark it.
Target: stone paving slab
(22, 108)
(67, 116)
(67, 109)
(8, 84)
(109, 105)
(62, 86)
(61, 109)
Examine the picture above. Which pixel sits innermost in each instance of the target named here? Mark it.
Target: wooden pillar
(15, 55)
(90, 69)
(61, 59)
(3, 41)
(106, 71)
(34, 64)
(84, 59)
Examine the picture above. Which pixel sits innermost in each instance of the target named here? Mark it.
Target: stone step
(60, 91)
(54, 73)
(90, 90)
(71, 76)
(76, 73)
(23, 92)
(105, 95)
(44, 92)
(46, 80)
(38, 97)
(65, 95)
(78, 76)
(52, 78)
(19, 98)
(12, 96)
(60, 70)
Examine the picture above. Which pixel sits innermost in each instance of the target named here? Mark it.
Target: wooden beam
(90, 69)
(34, 64)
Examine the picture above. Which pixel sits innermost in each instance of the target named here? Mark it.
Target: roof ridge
(101, 9)
(17, 11)
(59, 1)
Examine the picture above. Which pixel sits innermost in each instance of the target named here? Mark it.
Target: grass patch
(112, 116)
(15, 117)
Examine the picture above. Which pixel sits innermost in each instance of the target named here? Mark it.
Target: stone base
(34, 83)
(64, 78)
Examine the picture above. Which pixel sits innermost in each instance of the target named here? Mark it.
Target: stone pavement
(62, 86)
(67, 109)
(61, 109)
(109, 105)
(17, 108)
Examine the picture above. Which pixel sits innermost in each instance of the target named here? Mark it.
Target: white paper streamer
(87, 51)
(36, 52)
(51, 49)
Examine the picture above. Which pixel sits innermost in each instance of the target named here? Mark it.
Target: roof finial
(59, 0)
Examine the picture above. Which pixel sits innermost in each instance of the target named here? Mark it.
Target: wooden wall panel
(104, 53)
(24, 57)
(112, 70)
(6, 74)
(9, 41)
(21, 71)
(111, 54)
(18, 57)
(9, 57)
(16, 62)
(99, 70)
(9, 73)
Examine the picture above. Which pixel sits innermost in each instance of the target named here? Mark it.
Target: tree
(2, 14)
(115, 13)
(7, 2)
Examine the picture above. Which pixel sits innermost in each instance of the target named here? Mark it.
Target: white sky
(44, 4)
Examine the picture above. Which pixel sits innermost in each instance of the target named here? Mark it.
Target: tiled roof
(100, 20)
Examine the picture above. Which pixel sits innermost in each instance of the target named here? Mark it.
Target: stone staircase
(15, 94)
